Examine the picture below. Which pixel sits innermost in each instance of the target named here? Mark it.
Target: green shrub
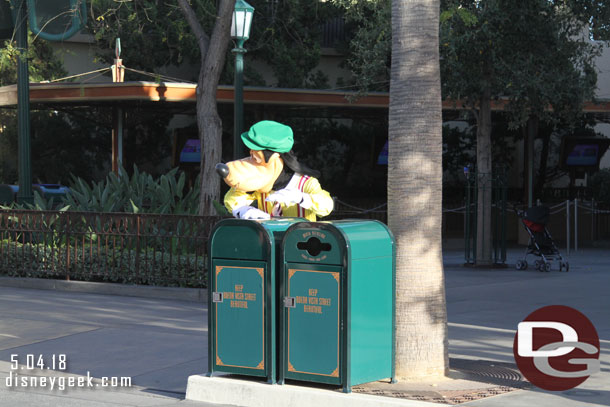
(147, 267)
(140, 193)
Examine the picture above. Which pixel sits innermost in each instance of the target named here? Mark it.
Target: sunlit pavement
(158, 343)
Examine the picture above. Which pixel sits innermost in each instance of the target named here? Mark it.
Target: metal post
(592, 214)
(484, 241)
(575, 224)
(494, 220)
(504, 216)
(23, 106)
(118, 75)
(68, 246)
(475, 214)
(117, 140)
(120, 151)
(238, 112)
(568, 227)
(467, 224)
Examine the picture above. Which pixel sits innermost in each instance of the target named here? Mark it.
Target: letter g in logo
(556, 348)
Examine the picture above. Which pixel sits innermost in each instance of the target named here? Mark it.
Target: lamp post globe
(242, 21)
(240, 32)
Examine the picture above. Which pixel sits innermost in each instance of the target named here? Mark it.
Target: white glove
(249, 212)
(286, 196)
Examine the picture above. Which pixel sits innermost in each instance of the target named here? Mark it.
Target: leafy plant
(138, 193)
(220, 209)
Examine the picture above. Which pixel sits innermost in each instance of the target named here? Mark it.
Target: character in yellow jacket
(273, 177)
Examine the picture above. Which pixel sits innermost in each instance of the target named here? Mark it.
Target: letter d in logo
(525, 338)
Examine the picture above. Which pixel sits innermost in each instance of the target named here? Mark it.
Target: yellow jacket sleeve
(236, 199)
(317, 200)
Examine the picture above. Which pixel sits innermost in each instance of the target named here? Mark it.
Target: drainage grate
(502, 374)
(495, 378)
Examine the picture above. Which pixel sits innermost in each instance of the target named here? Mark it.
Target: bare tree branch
(203, 40)
(216, 52)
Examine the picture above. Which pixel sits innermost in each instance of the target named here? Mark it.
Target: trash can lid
(331, 242)
(247, 239)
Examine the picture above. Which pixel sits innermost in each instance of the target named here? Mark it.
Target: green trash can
(243, 257)
(338, 294)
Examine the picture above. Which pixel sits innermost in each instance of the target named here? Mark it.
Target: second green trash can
(338, 314)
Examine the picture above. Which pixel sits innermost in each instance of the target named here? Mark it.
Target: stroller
(541, 243)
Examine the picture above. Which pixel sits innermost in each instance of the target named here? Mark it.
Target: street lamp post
(240, 32)
(29, 10)
(23, 106)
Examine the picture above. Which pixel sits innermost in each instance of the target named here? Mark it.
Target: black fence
(171, 250)
(166, 250)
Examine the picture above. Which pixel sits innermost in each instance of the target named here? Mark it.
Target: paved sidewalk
(485, 306)
(159, 343)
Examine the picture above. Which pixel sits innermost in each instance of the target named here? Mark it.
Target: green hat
(269, 135)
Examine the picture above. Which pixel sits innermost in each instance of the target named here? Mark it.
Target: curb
(166, 293)
(245, 393)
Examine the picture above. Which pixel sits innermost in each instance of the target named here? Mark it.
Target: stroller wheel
(521, 265)
(547, 267)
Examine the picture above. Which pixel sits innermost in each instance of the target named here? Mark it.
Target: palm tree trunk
(415, 190)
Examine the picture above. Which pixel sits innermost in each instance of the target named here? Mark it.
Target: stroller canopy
(538, 214)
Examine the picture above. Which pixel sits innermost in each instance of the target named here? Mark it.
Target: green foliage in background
(285, 35)
(534, 55)
(138, 193)
(153, 34)
(369, 48)
(42, 63)
(156, 253)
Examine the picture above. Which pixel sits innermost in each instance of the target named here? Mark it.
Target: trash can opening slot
(314, 246)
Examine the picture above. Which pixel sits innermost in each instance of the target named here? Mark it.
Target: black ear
(282, 180)
(291, 162)
(267, 154)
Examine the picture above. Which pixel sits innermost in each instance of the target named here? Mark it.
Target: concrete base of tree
(249, 393)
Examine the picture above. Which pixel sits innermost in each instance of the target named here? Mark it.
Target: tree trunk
(528, 174)
(213, 51)
(544, 159)
(484, 182)
(415, 190)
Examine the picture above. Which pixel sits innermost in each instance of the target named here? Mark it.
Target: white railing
(573, 209)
